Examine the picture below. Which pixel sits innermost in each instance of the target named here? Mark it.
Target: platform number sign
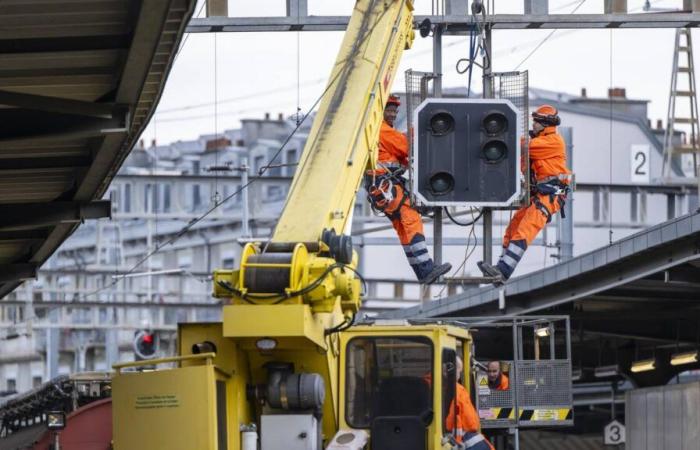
(639, 164)
(614, 433)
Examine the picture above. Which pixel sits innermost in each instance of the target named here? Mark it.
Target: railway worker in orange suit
(387, 194)
(498, 381)
(462, 419)
(549, 187)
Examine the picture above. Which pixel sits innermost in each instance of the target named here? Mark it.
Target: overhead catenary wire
(551, 33)
(209, 211)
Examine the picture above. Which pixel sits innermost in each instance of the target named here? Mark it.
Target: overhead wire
(551, 33)
(204, 215)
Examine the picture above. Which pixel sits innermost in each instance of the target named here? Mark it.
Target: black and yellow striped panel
(497, 414)
(545, 414)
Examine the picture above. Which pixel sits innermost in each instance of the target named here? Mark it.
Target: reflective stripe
(406, 248)
(471, 442)
(510, 262)
(419, 246)
(460, 432)
(418, 258)
(516, 249)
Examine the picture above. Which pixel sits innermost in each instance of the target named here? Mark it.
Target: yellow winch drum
(268, 272)
(281, 267)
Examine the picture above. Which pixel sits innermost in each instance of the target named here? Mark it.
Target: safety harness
(381, 188)
(554, 187)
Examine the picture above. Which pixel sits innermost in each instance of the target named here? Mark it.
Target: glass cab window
(388, 377)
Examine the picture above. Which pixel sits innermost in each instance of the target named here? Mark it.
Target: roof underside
(78, 82)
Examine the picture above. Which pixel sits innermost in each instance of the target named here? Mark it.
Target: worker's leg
(414, 241)
(513, 225)
(409, 227)
(534, 218)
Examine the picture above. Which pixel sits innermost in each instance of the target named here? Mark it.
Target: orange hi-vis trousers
(408, 225)
(523, 228)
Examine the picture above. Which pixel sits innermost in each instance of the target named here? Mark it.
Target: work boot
(436, 273)
(490, 271)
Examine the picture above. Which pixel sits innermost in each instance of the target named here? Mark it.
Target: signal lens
(442, 183)
(494, 151)
(495, 123)
(441, 123)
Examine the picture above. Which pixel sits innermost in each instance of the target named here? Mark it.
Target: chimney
(153, 142)
(267, 116)
(142, 144)
(280, 116)
(617, 93)
(659, 124)
(583, 92)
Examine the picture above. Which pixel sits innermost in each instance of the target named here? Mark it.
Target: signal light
(145, 345)
(466, 152)
(442, 123)
(442, 183)
(495, 123)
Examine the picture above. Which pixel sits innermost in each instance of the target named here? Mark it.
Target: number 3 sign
(614, 433)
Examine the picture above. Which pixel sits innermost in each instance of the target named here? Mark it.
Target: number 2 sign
(639, 164)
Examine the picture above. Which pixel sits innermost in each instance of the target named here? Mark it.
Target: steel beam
(453, 24)
(57, 105)
(17, 272)
(23, 125)
(53, 162)
(32, 215)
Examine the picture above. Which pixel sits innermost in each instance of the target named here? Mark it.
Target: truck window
(388, 377)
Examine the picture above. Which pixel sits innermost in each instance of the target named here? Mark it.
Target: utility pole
(437, 92)
(487, 213)
(245, 220)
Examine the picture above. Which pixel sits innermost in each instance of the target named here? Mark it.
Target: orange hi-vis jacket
(393, 146)
(504, 384)
(466, 420)
(548, 155)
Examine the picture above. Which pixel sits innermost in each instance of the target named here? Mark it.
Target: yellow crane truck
(287, 368)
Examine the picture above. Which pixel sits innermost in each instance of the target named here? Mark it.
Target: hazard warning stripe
(544, 415)
(506, 413)
(498, 413)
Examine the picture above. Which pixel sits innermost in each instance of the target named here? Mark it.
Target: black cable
(462, 224)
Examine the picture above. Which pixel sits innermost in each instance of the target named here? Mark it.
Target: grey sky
(258, 72)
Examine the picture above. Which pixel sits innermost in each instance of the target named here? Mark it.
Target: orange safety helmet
(547, 115)
(393, 100)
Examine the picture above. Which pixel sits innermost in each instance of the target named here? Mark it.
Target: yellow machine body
(205, 398)
(291, 301)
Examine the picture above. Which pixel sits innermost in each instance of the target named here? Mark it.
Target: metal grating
(514, 86)
(419, 86)
(494, 404)
(544, 383)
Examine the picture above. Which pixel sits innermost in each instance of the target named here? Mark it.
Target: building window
(36, 381)
(258, 162)
(275, 192)
(291, 159)
(634, 207)
(596, 205)
(11, 385)
(227, 263)
(196, 196)
(127, 198)
(166, 198)
(184, 259)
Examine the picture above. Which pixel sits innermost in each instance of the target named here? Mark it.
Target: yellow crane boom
(309, 260)
(344, 135)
